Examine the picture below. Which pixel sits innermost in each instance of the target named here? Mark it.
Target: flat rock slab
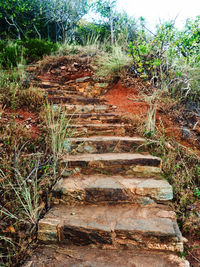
(89, 108)
(141, 159)
(106, 144)
(137, 140)
(90, 120)
(74, 100)
(100, 126)
(113, 189)
(97, 115)
(96, 128)
(127, 225)
(60, 92)
(123, 163)
(72, 256)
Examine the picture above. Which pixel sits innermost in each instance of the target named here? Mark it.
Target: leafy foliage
(35, 49)
(65, 13)
(38, 18)
(169, 58)
(10, 54)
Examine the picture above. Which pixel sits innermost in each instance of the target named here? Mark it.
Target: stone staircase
(111, 207)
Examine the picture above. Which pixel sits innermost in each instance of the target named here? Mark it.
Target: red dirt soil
(125, 99)
(26, 118)
(122, 98)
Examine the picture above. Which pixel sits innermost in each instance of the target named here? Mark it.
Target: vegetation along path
(111, 204)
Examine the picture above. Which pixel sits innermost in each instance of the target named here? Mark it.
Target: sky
(152, 10)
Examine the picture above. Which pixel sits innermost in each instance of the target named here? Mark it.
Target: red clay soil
(128, 101)
(124, 99)
(24, 117)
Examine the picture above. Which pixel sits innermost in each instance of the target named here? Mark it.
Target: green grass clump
(112, 64)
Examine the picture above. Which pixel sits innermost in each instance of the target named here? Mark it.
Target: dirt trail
(111, 199)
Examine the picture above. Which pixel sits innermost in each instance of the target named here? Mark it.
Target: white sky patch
(153, 10)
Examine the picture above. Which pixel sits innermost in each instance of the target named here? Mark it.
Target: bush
(98, 32)
(10, 54)
(35, 49)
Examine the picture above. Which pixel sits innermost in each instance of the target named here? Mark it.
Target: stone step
(46, 85)
(105, 144)
(111, 189)
(93, 115)
(114, 163)
(88, 118)
(74, 100)
(76, 256)
(110, 129)
(129, 226)
(95, 120)
(55, 92)
(55, 86)
(88, 108)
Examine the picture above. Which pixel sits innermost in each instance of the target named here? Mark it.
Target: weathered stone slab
(114, 163)
(93, 118)
(73, 100)
(83, 79)
(72, 256)
(94, 115)
(88, 108)
(99, 126)
(106, 144)
(89, 129)
(60, 92)
(112, 189)
(130, 226)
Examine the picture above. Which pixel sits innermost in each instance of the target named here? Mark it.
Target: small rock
(84, 79)
(67, 173)
(67, 146)
(28, 264)
(77, 170)
(89, 149)
(102, 85)
(186, 133)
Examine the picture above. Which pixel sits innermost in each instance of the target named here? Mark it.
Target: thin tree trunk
(111, 30)
(39, 35)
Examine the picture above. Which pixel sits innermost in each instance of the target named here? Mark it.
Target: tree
(19, 15)
(106, 9)
(189, 38)
(64, 13)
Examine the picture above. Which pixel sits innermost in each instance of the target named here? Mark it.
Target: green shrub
(10, 54)
(97, 31)
(35, 49)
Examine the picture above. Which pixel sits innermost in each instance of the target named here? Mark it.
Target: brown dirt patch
(193, 251)
(130, 102)
(126, 100)
(24, 117)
